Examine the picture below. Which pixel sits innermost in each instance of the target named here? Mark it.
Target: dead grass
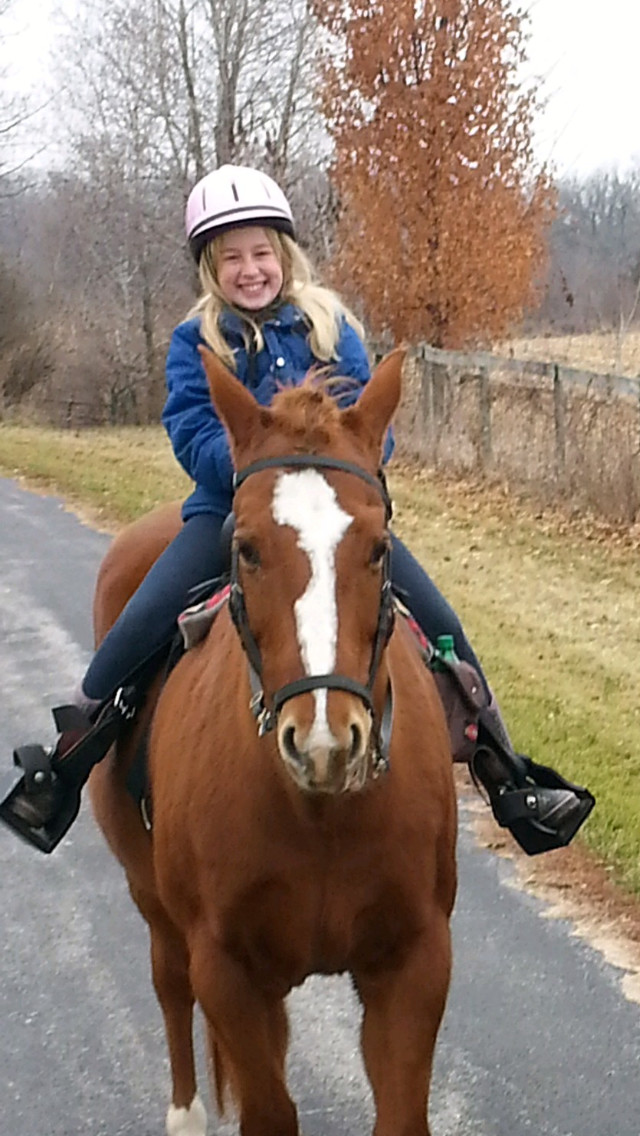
(603, 352)
(114, 475)
(579, 446)
(549, 602)
(552, 610)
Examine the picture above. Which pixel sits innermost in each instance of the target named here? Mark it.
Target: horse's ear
(372, 413)
(242, 416)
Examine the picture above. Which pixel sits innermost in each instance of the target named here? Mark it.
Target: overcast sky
(586, 52)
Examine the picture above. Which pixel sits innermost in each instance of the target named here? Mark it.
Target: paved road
(538, 1037)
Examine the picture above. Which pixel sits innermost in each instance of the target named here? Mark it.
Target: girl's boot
(42, 799)
(540, 808)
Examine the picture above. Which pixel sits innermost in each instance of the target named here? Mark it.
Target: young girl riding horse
(264, 315)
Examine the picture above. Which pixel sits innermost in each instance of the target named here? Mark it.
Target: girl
(265, 316)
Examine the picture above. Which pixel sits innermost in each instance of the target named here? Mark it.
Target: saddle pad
(195, 622)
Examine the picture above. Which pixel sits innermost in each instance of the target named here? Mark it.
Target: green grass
(552, 614)
(115, 475)
(554, 619)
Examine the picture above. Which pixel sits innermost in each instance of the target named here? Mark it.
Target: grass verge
(113, 475)
(553, 613)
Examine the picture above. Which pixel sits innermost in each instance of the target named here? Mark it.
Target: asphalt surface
(538, 1037)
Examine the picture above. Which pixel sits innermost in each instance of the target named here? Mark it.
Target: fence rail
(593, 381)
(560, 430)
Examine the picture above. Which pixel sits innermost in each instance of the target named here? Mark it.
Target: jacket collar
(287, 316)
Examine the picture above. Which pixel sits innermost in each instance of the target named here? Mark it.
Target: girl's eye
(249, 554)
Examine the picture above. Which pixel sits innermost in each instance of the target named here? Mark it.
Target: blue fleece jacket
(196, 433)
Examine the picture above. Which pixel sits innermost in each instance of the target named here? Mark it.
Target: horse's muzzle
(327, 758)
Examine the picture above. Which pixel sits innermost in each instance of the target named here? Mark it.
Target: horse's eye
(378, 553)
(249, 554)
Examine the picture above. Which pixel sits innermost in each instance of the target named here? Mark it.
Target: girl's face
(248, 270)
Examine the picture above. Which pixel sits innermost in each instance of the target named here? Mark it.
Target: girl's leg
(149, 619)
(428, 605)
(44, 802)
(539, 807)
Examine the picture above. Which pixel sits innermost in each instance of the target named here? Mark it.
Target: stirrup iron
(33, 778)
(523, 795)
(40, 798)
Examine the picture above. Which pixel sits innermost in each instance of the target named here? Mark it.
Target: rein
(267, 718)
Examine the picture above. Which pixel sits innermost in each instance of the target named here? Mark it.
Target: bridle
(267, 717)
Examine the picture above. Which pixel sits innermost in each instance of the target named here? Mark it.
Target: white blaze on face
(307, 503)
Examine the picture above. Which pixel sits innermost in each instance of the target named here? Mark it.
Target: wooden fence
(559, 431)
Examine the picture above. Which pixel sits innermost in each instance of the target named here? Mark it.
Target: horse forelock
(308, 415)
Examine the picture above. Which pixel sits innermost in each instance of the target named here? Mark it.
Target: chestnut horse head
(311, 594)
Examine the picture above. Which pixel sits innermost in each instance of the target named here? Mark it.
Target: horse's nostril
(356, 740)
(289, 742)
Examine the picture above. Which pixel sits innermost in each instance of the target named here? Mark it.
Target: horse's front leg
(170, 968)
(250, 1027)
(403, 1009)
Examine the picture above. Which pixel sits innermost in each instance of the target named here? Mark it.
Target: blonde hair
(322, 308)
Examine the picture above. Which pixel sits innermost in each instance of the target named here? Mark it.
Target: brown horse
(303, 801)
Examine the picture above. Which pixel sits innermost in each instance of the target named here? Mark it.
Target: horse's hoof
(190, 1121)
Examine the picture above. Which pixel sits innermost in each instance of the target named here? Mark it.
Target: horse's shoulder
(412, 679)
(407, 650)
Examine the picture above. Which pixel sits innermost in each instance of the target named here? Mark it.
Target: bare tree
(154, 93)
(221, 80)
(16, 113)
(594, 269)
(265, 57)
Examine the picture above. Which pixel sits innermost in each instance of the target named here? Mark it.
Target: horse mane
(308, 414)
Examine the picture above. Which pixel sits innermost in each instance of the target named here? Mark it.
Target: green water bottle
(445, 653)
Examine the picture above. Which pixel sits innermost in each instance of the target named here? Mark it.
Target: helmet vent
(236, 195)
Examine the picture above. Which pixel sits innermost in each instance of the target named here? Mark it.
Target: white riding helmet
(231, 196)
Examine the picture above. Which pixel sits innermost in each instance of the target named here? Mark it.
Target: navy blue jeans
(149, 619)
(427, 604)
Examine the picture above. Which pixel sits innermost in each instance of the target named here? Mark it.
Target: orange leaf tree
(443, 214)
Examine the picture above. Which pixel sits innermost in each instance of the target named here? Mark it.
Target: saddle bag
(463, 697)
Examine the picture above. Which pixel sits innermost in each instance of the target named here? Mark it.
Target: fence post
(484, 393)
(428, 421)
(560, 423)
